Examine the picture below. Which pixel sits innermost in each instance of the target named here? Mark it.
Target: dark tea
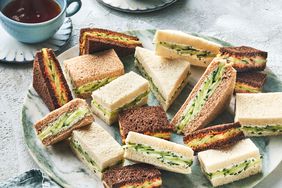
(32, 11)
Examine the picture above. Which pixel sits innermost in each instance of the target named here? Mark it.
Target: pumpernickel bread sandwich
(208, 98)
(59, 124)
(93, 40)
(249, 82)
(49, 81)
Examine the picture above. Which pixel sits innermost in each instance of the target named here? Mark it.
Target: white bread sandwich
(96, 148)
(161, 153)
(125, 92)
(259, 114)
(166, 77)
(237, 162)
(208, 98)
(177, 44)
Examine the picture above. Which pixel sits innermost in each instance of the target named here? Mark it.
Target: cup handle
(75, 9)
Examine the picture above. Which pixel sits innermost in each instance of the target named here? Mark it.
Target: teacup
(37, 32)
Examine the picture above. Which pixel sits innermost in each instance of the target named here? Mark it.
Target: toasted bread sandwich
(96, 148)
(93, 40)
(161, 153)
(207, 99)
(244, 58)
(214, 137)
(177, 44)
(127, 91)
(90, 72)
(231, 164)
(249, 82)
(59, 124)
(166, 77)
(136, 175)
(49, 81)
(149, 120)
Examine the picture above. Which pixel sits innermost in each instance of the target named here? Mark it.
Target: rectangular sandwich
(149, 120)
(166, 77)
(260, 114)
(161, 153)
(214, 137)
(133, 176)
(125, 92)
(244, 58)
(177, 44)
(59, 124)
(93, 40)
(96, 148)
(237, 162)
(208, 98)
(249, 82)
(90, 72)
(49, 81)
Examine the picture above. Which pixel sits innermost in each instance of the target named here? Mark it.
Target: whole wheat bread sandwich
(249, 82)
(93, 40)
(244, 58)
(214, 137)
(59, 124)
(90, 72)
(136, 175)
(149, 120)
(209, 97)
(49, 81)
(166, 77)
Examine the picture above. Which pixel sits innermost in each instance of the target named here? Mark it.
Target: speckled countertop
(253, 23)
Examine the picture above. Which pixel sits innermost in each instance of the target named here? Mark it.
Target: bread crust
(243, 51)
(253, 79)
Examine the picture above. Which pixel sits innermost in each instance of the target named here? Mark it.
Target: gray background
(256, 23)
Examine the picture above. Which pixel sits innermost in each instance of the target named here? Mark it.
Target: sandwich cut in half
(244, 58)
(214, 137)
(208, 98)
(231, 164)
(149, 120)
(177, 44)
(161, 153)
(166, 77)
(249, 82)
(133, 176)
(93, 40)
(259, 114)
(49, 81)
(59, 124)
(96, 148)
(127, 91)
(90, 72)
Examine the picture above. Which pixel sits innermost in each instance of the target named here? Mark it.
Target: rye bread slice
(128, 175)
(42, 83)
(219, 143)
(250, 79)
(216, 103)
(52, 116)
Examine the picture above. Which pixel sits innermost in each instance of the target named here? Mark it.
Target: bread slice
(161, 153)
(177, 44)
(209, 98)
(249, 82)
(93, 40)
(59, 124)
(136, 175)
(89, 72)
(125, 92)
(227, 165)
(214, 137)
(96, 148)
(166, 77)
(259, 114)
(53, 95)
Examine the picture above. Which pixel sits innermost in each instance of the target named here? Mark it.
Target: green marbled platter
(60, 164)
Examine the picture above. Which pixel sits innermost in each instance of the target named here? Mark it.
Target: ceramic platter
(13, 51)
(60, 164)
(137, 6)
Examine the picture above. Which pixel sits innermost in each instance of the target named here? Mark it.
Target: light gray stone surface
(252, 22)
